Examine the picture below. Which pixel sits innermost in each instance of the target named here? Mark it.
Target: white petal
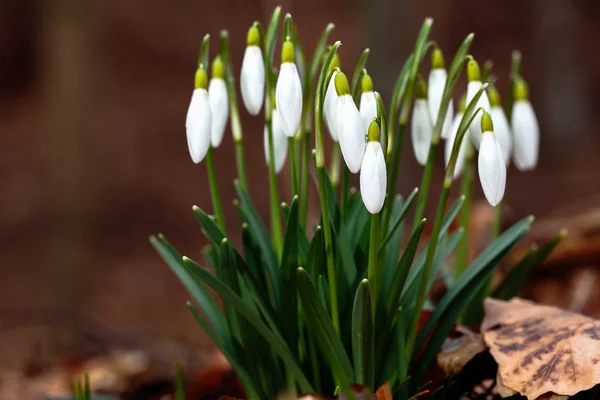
(462, 152)
(219, 110)
(421, 131)
(329, 107)
(448, 119)
(435, 90)
(288, 98)
(280, 143)
(492, 169)
(502, 131)
(351, 131)
(368, 108)
(373, 178)
(526, 135)
(484, 102)
(198, 125)
(252, 79)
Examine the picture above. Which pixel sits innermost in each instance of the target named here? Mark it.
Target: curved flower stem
(425, 182)
(214, 189)
(374, 271)
(293, 166)
(334, 167)
(276, 232)
(304, 183)
(466, 189)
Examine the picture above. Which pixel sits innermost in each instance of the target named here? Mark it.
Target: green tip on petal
(437, 59)
(253, 36)
(462, 104)
(521, 91)
(218, 70)
(287, 52)
(341, 84)
(421, 89)
(473, 71)
(486, 123)
(494, 96)
(374, 133)
(201, 81)
(367, 83)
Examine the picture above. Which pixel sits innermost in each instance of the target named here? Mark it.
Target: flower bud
(219, 102)
(252, 79)
(436, 85)
(329, 107)
(368, 103)
(501, 125)
(373, 173)
(280, 142)
(350, 125)
(198, 121)
(421, 128)
(491, 165)
(473, 87)
(525, 129)
(288, 91)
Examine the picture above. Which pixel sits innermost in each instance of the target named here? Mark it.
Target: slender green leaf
(204, 54)
(319, 52)
(363, 349)
(316, 255)
(303, 243)
(517, 276)
(319, 323)
(355, 86)
(398, 221)
(271, 34)
(211, 229)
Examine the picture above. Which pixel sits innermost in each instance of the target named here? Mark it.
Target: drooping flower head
(525, 128)
(219, 102)
(252, 79)
(288, 92)
(368, 105)
(198, 121)
(421, 128)
(436, 84)
(501, 125)
(350, 125)
(373, 174)
(330, 102)
(280, 142)
(474, 75)
(491, 166)
(465, 145)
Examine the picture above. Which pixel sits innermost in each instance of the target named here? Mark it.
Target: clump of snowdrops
(327, 303)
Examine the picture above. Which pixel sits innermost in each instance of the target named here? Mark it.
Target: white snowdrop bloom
(436, 84)
(421, 129)
(252, 79)
(501, 125)
(491, 166)
(219, 103)
(368, 103)
(329, 107)
(373, 174)
(525, 129)
(462, 152)
(350, 125)
(288, 91)
(473, 87)
(280, 142)
(198, 120)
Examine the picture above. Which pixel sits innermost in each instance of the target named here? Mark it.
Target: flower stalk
(214, 189)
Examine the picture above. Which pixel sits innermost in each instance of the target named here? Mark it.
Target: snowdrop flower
(437, 82)
(525, 129)
(501, 125)
(474, 75)
(421, 129)
(350, 125)
(373, 174)
(252, 79)
(198, 120)
(288, 92)
(368, 104)
(330, 102)
(492, 169)
(219, 102)
(280, 142)
(464, 146)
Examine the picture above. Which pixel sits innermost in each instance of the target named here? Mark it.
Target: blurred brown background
(93, 155)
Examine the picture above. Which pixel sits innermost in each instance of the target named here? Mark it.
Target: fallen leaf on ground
(456, 352)
(384, 392)
(540, 349)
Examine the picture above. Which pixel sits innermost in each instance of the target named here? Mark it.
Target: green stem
(214, 189)
(497, 230)
(437, 224)
(466, 189)
(276, 232)
(334, 167)
(425, 183)
(293, 166)
(345, 192)
(240, 162)
(393, 168)
(373, 271)
(304, 179)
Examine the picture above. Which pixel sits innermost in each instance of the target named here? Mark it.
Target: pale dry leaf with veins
(542, 350)
(456, 352)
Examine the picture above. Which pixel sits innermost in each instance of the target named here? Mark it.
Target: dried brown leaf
(456, 352)
(540, 349)
(384, 392)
